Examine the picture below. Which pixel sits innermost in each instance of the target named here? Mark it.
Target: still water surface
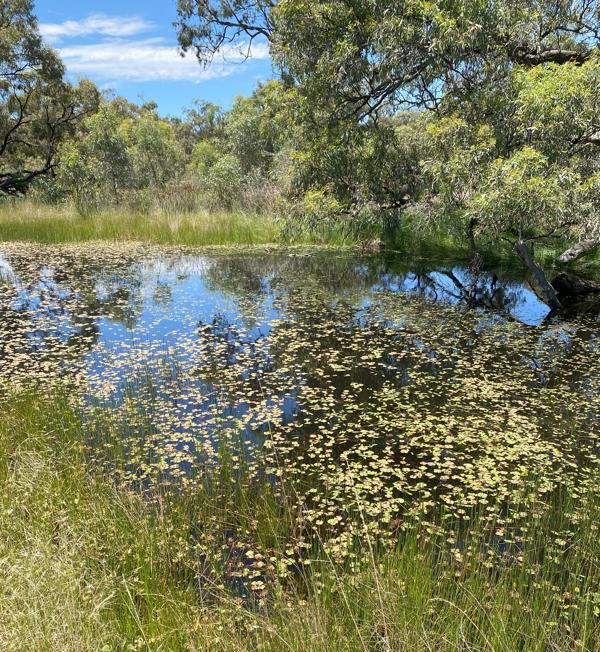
(367, 376)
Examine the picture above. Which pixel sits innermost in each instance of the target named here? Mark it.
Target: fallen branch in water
(571, 287)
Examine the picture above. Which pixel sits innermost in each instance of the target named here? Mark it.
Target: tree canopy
(505, 126)
(36, 105)
(207, 25)
(376, 53)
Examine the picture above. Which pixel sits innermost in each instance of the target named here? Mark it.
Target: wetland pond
(363, 380)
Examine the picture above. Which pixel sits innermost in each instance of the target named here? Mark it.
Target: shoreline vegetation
(32, 221)
(41, 223)
(88, 565)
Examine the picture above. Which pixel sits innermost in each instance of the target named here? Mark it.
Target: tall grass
(88, 564)
(35, 221)
(30, 221)
(25, 220)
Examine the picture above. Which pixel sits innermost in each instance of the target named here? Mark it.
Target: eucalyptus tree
(207, 26)
(370, 54)
(120, 149)
(37, 107)
(203, 122)
(97, 167)
(510, 139)
(155, 152)
(357, 163)
(257, 127)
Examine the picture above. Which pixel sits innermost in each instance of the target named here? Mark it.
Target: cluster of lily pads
(366, 411)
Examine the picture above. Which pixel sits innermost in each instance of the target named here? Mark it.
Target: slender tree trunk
(471, 234)
(545, 289)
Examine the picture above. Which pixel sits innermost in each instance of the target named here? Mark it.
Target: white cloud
(117, 55)
(113, 26)
(150, 60)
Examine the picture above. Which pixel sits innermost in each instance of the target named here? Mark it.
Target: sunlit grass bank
(56, 224)
(26, 220)
(88, 564)
(35, 222)
(31, 221)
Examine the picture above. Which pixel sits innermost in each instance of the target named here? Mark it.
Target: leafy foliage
(36, 106)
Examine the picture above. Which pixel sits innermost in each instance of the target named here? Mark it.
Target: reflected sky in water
(374, 368)
(71, 301)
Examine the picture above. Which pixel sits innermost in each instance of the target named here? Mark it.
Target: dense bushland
(484, 122)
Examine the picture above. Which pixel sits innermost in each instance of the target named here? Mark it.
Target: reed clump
(30, 221)
(89, 563)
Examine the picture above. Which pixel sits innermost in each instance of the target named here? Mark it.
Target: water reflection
(60, 306)
(375, 378)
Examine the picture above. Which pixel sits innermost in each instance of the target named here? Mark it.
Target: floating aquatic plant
(367, 411)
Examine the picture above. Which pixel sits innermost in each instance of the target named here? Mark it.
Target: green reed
(89, 562)
(34, 221)
(30, 222)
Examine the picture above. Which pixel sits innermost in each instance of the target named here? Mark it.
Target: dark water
(90, 296)
(376, 378)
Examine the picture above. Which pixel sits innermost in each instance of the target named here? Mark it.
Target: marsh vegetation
(270, 450)
(319, 371)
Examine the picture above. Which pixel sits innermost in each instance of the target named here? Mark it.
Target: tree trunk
(578, 250)
(570, 286)
(471, 234)
(546, 291)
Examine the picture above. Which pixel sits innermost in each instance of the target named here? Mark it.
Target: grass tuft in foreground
(86, 564)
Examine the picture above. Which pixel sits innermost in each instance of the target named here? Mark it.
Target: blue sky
(130, 47)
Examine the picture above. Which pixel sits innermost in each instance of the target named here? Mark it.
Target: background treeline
(127, 155)
(482, 117)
